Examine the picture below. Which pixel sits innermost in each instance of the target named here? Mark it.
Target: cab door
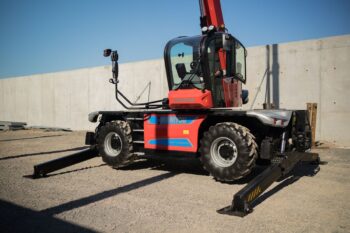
(226, 70)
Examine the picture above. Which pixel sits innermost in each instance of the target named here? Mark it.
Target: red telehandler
(202, 117)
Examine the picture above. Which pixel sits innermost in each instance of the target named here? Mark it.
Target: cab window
(236, 60)
(184, 62)
(240, 59)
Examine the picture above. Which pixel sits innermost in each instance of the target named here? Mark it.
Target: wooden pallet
(312, 109)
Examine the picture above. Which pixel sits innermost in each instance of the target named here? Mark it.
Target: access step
(134, 119)
(138, 142)
(138, 130)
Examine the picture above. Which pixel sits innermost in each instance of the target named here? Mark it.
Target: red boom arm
(211, 14)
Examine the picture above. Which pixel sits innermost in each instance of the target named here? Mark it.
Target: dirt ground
(158, 196)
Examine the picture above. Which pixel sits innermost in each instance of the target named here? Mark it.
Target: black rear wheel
(115, 143)
(228, 151)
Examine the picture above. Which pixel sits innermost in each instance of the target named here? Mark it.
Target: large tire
(228, 151)
(115, 143)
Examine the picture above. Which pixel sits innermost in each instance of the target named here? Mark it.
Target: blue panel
(171, 120)
(182, 142)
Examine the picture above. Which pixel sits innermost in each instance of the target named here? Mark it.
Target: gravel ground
(157, 196)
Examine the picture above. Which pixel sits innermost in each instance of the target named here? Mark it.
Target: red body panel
(232, 92)
(190, 99)
(174, 132)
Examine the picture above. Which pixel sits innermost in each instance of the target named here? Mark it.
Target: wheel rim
(113, 144)
(224, 152)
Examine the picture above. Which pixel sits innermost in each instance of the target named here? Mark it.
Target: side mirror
(107, 52)
(114, 54)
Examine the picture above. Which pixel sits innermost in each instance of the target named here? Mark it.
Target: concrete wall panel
(2, 96)
(34, 96)
(48, 99)
(9, 108)
(62, 99)
(100, 91)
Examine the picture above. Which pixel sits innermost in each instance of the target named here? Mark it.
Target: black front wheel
(115, 143)
(228, 151)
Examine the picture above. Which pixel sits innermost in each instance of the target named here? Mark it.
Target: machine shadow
(43, 153)
(194, 167)
(15, 218)
(106, 194)
(272, 93)
(275, 77)
(185, 165)
(77, 170)
(188, 165)
(65, 172)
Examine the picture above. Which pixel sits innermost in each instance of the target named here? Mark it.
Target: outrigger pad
(228, 210)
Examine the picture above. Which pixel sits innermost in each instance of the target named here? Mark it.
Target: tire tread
(246, 157)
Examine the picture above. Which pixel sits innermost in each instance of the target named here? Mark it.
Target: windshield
(184, 54)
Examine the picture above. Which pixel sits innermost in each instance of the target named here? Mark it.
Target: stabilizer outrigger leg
(241, 203)
(43, 169)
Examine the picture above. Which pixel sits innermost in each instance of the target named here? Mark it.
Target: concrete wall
(306, 71)
(64, 99)
(292, 73)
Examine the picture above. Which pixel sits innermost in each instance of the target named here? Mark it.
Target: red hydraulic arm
(211, 15)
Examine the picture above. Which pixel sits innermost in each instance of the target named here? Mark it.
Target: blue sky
(39, 36)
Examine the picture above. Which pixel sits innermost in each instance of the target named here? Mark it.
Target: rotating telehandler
(201, 117)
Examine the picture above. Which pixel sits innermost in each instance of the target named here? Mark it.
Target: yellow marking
(186, 132)
(254, 194)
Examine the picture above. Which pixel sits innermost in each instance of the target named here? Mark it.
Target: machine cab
(209, 67)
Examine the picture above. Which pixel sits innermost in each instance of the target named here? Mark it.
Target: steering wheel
(195, 68)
